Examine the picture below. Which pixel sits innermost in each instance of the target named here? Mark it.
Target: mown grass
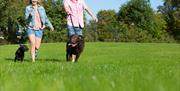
(101, 67)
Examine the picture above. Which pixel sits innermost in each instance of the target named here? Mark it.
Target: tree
(171, 14)
(107, 25)
(11, 14)
(138, 13)
(56, 14)
(91, 33)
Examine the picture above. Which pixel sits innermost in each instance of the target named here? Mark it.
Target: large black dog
(74, 46)
(19, 55)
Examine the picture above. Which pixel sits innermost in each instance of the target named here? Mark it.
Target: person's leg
(38, 42)
(38, 38)
(33, 46)
(31, 36)
(37, 46)
(71, 31)
(78, 31)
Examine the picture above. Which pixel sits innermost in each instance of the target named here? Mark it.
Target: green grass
(101, 67)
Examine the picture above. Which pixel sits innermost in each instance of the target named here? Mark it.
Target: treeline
(135, 21)
(13, 19)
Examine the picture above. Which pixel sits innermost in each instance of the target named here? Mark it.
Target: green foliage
(135, 22)
(56, 14)
(10, 11)
(139, 13)
(91, 33)
(119, 67)
(3, 7)
(12, 14)
(107, 25)
(55, 36)
(171, 14)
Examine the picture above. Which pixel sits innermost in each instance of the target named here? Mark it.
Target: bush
(3, 41)
(54, 36)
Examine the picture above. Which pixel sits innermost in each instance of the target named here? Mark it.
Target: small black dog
(19, 55)
(74, 47)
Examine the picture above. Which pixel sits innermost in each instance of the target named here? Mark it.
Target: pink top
(38, 24)
(75, 9)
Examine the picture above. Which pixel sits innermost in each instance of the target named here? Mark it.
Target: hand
(52, 29)
(69, 13)
(43, 27)
(95, 19)
(31, 13)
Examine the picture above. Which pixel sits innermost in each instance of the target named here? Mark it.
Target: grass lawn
(101, 67)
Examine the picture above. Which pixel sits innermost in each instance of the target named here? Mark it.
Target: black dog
(19, 55)
(74, 47)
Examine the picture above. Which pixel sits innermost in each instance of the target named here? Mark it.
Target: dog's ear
(20, 45)
(80, 37)
(24, 47)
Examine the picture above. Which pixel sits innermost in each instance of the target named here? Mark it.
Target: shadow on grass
(12, 59)
(38, 60)
(51, 60)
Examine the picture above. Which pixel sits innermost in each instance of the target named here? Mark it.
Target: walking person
(75, 21)
(75, 12)
(36, 20)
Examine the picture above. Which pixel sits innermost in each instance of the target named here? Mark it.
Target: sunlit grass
(101, 67)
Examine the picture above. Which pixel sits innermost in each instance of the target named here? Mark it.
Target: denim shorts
(37, 33)
(75, 30)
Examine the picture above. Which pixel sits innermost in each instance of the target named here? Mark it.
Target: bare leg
(38, 43)
(33, 46)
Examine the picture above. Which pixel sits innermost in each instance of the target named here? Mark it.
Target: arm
(67, 7)
(28, 15)
(91, 14)
(47, 22)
